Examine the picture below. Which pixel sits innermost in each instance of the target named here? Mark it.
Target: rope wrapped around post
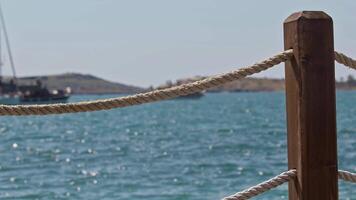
(263, 187)
(153, 96)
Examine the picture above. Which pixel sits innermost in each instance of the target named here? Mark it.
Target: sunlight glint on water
(181, 149)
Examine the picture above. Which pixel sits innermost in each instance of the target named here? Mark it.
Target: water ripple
(202, 149)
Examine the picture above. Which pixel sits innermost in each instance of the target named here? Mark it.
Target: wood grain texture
(311, 110)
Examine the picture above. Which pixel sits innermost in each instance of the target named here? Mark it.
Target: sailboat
(11, 92)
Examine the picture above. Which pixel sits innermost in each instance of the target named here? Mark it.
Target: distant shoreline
(225, 92)
(88, 84)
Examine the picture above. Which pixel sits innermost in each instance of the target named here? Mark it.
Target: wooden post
(311, 110)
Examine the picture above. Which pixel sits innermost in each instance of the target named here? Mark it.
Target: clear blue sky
(149, 42)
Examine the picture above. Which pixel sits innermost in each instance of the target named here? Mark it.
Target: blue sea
(174, 150)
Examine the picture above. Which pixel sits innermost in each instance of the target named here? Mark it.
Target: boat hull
(46, 100)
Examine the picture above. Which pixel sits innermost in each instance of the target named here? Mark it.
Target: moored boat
(12, 93)
(39, 94)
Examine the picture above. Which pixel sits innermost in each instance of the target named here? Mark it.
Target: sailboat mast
(2, 20)
(1, 62)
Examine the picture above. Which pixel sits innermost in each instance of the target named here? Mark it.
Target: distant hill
(251, 85)
(267, 84)
(258, 84)
(246, 84)
(81, 84)
(89, 84)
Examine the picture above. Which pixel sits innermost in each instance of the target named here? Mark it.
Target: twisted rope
(279, 180)
(345, 60)
(153, 96)
(347, 176)
(263, 187)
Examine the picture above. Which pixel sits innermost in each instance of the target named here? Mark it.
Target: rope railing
(279, 180)
(161, 94)
(153, 96)
(182, 90)
(264, 186)
(309, 20)
(345, 60)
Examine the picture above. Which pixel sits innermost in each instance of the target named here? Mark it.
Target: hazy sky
(149, 42)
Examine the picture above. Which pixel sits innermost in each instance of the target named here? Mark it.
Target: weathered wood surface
(311, 112)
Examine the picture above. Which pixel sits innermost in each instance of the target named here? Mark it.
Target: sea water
(171, 150)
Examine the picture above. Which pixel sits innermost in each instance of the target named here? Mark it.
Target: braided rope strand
(153, 96)
(345, 60)
(347, 176)
(264, 186)
(279, 180)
